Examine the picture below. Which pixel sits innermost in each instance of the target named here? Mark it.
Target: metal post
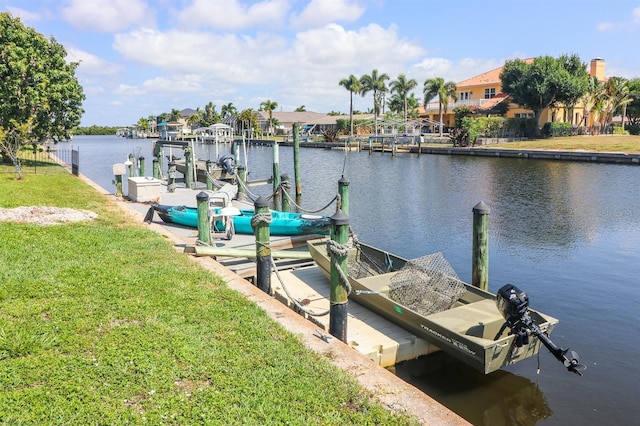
(262, 219)
(188, 173)
(343, 192)
(276, 175)
(338, 292)
(296, 162)
(171, 185)
(480, 256)
(204, 224)
(284, 189)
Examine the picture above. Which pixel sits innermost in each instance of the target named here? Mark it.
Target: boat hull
(282, 224)
(466, 331)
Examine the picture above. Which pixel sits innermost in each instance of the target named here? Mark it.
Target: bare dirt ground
(45, 215)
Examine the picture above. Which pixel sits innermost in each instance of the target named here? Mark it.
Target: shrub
(556, 129)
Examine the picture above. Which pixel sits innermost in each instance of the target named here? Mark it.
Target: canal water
(568, 234)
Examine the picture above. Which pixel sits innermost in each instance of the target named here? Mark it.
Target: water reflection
(500, 398)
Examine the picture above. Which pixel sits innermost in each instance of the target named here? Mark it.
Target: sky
(140, 58)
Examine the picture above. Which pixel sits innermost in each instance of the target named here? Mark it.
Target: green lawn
(609, 143)
(103, 322)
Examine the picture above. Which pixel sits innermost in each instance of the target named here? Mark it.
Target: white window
(464, 96)
(489, 93)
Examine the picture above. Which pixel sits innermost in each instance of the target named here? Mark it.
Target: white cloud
(630, 25)
(321, 12)
(90, 63)
(105, 15)
(233, 14)
(24, 15)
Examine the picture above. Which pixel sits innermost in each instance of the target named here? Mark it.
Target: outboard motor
(226, 162)
(513, 304)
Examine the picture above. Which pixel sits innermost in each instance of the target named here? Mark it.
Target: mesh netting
(360, 266)
(426, 285)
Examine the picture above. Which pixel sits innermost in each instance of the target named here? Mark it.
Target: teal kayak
(282, 223)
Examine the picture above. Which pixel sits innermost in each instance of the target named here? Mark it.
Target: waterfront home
(484, 92)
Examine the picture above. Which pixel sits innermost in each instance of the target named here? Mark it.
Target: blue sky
(142, 57)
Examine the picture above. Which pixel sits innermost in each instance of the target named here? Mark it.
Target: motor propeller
(513, 304)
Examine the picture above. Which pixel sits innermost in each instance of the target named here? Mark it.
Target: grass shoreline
(103, 322)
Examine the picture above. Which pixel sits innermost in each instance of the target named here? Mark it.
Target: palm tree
(248, 116)
(269, 106)
(301, 108)
(401, 87)
(228, 109)
(210, 115)
(436, 87)
(353, 85)
(175, 115)
(374, 83)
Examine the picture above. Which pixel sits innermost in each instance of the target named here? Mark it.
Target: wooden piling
(204, 224)
(284, 189)
(171, 184)
(142, 170)
(262, 220)
(480, 255)
(132, 166)
(296, 162)
(209, 167)
(276, 175)
(156, 168)
(242, 178)
(343, 192)
(338, 293)
(188, 173)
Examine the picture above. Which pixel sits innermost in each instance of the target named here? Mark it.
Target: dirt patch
(44, 215)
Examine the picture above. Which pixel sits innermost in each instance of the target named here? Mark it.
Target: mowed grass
(103, 322)
(608, 143)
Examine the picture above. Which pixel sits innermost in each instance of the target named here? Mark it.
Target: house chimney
(597, 69)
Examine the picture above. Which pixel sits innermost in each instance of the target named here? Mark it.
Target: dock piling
(339, 293)
(480, 255)
(188, 173)
(296, 162)
(142, 170)
(260, 222)
(343, 192)
(204, 224)
(241, 184)
(171, 184)
(131, 163)
(276, 175)
(284, 190)
(209, 168)
(156, 168)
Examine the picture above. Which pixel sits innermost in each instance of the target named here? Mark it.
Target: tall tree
(250, 118)
(269, 106)
(633, 109)
(210, 115)
(175, 115)
(375, 83)
(438, 88)
(401, 86)
(614, 99)
(353, 85)
(544, 83)
(228, 109)
(40, 97)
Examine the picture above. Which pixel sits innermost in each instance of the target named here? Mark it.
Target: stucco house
(484, 91)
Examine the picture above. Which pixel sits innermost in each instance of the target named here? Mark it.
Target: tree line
(546, 82)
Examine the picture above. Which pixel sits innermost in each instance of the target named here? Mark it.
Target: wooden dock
(367, 332)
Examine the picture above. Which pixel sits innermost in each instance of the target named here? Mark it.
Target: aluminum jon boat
(471, 329)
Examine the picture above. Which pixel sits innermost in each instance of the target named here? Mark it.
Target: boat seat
(379, 283)
(479, 319)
